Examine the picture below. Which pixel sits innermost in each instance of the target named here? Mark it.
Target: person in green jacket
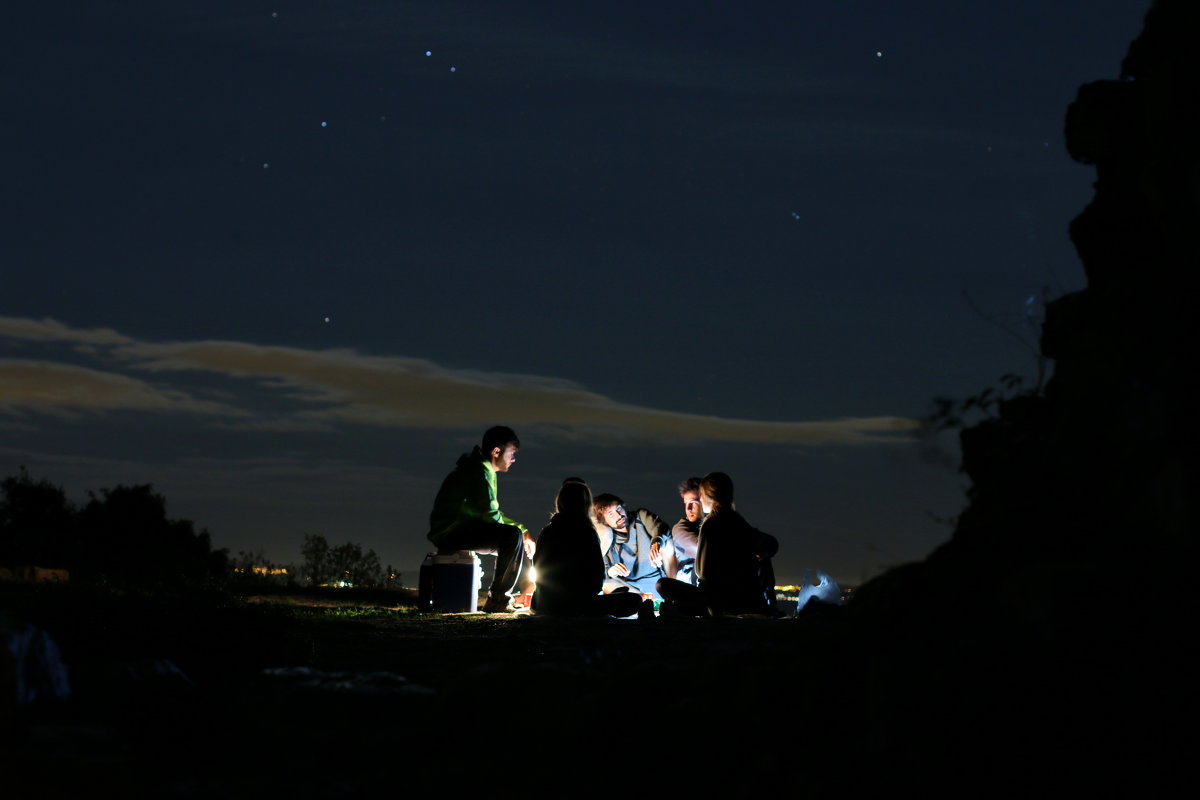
(466, 514)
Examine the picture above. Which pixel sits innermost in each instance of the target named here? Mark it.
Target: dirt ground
(308, 697)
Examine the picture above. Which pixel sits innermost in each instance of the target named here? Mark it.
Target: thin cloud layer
(332, 386)
(62, 388)
(50, 330)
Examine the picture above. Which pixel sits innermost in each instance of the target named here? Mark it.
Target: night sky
(287, 260)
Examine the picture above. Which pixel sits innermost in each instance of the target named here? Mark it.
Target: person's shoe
(498, 606)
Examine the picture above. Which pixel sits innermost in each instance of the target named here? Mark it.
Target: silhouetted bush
(122, 536)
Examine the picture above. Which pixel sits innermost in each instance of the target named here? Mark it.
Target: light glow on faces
(503, 460)
(691, 506)
(615, 517)
(706, 503)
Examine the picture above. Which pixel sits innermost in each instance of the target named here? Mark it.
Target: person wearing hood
(466, 514)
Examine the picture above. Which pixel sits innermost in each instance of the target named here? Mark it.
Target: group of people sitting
(595, 557)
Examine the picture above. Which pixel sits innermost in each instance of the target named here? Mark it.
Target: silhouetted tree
(122, 535)
(355, 567)
(126, 536)
(316, 558)
(347, 563)
(37, 523)
(391, 578)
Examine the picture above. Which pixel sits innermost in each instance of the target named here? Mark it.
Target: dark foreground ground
(389, 701)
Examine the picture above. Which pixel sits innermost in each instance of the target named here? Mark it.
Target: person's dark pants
(684, 598)
(618, 604)
(489, 538)
(698, 601)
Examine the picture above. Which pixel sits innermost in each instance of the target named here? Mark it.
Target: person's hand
(655, 556)
(529, 544)
(618, 571)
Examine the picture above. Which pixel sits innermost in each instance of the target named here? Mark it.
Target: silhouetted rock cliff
(1082, 501)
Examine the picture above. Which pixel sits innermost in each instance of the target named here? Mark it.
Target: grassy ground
(397, 701)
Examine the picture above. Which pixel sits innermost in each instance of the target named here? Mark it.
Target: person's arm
(478, 493)
(686, 536)
(482, 500)
(607, 543)
(657, 530)
(654, 525)
(765, 545)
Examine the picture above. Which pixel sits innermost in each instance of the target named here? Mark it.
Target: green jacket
(467, 495)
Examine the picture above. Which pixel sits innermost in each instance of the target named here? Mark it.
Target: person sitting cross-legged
(632, 546)
(733, 561)
(570, 568)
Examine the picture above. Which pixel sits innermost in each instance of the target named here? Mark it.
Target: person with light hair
(570, 568)
(733, 561)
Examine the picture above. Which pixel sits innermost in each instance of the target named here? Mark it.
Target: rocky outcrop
(1082, 494)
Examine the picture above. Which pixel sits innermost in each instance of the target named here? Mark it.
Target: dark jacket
(570, 568)
(729, 562)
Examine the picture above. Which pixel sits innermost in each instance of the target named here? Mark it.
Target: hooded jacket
(468, 495)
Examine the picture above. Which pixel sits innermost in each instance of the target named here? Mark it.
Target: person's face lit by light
(502, 460)
(691, 506)
(615, 517)
(706, 502)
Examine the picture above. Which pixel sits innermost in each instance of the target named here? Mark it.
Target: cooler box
(453, 582)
